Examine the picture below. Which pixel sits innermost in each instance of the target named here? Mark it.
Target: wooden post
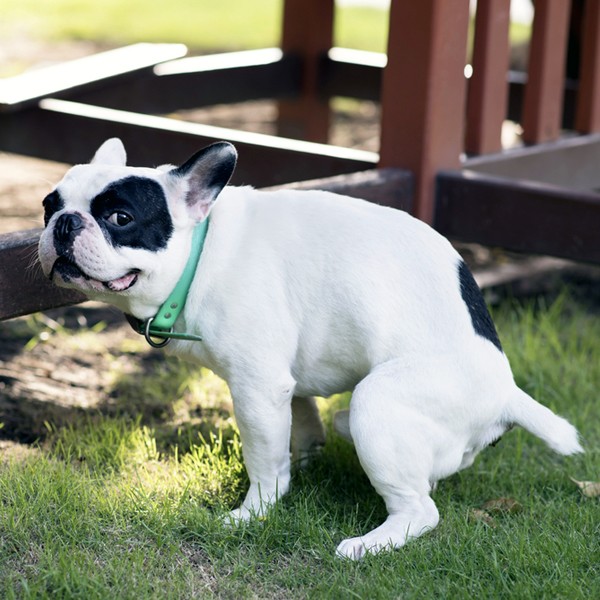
(587, 118)
(307, 33)
(423, 92)
(487, 96)
(542, 109)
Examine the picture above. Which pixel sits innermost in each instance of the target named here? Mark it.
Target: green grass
(113, 507)
(201, 24)
(204, 25)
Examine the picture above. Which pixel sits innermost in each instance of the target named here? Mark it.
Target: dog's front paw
(238, 517)
(358, 547)
(243, 514)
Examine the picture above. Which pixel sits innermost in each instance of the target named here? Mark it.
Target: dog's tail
(555, 431)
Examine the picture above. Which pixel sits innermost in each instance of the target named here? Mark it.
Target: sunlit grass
(201, 24)
(111, 506)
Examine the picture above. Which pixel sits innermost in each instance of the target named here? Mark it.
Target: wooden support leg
(308, 34)
(542, 110)
(588, 100)
(423, 95)
(488, 89)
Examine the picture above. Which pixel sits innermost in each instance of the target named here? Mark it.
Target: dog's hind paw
(242, 515)
(393, 533)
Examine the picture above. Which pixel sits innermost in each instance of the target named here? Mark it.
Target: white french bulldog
(296, 294)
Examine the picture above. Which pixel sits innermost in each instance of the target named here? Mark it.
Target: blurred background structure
(482, 118)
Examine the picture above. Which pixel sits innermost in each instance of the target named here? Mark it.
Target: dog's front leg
(264, 416)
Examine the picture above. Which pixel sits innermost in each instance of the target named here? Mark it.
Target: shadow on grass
(82, 363)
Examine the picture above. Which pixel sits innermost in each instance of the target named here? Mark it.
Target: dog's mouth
(123, 283)
(68, 271)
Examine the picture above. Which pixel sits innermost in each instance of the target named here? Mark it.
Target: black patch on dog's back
(472, 297)
(145, 202)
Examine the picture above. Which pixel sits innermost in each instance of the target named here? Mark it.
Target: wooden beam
(423, 95)
(588, 101)
(388, 187)
(488, 89)
(23, 287)
(84, 73)
(307, 32)
(518, 215)
(200, 81)
(264, 159)
(542, 110)
(352, 73)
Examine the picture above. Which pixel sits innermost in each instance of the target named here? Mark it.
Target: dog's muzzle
(67, 227)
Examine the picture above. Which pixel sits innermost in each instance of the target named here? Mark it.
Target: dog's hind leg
(308, 433)
(393, 442)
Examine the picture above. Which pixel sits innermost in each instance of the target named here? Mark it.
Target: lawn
(204, 25)
(201, 24)
(128, 503)
(119, 506)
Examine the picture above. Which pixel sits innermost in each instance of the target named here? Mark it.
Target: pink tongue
(118, 285)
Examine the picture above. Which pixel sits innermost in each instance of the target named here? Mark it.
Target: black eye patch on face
(143, 200)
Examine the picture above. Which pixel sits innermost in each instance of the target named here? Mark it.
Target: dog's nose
(67, 226)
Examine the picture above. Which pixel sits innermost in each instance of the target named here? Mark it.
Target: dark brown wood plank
(488, 89)
(352, 73)
(264, 160)
(542, 110)
(200, 81)
(23, 287)
(388, 187)
(423, 95)
(521, 216)
(88, 72)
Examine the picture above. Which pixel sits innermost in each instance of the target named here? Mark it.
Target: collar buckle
(157, 333)
(165, 335)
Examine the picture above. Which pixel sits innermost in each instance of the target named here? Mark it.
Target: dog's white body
(308, 293)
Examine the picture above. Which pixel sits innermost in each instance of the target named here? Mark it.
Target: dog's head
(122, 234)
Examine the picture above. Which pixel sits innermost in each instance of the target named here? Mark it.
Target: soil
(53, 368)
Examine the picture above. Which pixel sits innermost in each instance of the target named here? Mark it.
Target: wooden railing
(440, 150)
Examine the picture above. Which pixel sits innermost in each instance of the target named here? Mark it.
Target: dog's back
(349, 282)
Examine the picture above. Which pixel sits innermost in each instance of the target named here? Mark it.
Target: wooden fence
(440, 151)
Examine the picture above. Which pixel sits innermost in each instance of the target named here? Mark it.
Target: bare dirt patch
(49, 375)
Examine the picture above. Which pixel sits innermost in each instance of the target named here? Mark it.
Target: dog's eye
(119, 218)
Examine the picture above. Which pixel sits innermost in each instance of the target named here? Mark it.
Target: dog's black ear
(207, 172)
(111, 152)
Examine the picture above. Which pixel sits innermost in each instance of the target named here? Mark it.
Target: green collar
(161, 325)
